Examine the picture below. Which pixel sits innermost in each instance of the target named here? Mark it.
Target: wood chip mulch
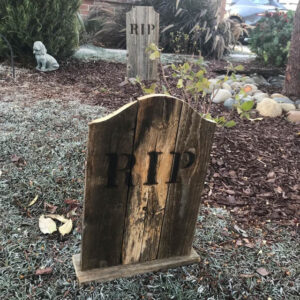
(254, 169)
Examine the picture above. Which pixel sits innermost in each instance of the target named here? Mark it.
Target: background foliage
(270, 39)
(54, 22)
(189, 26)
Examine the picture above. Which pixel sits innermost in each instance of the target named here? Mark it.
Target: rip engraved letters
(134, 28)
(114, 170)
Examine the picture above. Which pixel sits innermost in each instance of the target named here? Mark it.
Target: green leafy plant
(189, 26)
(54, 22)
(270, 39)
(195, 86)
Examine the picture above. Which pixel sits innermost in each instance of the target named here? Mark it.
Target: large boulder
(220, 95)
(269, 108)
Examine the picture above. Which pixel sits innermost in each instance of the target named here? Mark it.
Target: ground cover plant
(247, 233)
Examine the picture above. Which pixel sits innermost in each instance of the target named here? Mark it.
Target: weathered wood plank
(123, 271)
(193, 146)
(105, 187)
(155, 137)
(142, 29)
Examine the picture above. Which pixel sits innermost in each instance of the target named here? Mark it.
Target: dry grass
(42, 153)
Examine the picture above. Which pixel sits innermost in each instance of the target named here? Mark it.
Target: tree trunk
(292, 75)
(222, 10)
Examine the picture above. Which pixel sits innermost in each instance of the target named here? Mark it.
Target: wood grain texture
(123, 271)
(138, 37)
(156, 131)
(195, 135)
(105, 207)
(164, 145)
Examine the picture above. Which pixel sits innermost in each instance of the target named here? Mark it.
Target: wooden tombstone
(146, 166)
(142, 29)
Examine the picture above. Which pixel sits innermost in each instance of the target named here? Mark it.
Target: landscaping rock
(297, 103)
(287, 106)
(283, 100)
(249, 80)
(221, 95)
(250, 89)
(226, 86)
(260, 80)
(214, 84)
(260, 96)
(229, 103)
(277, 81)
(269, 108)
(294, 116)
(236, 85)
(277, 95)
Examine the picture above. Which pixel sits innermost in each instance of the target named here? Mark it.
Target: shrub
(270, 39)
(54, 22)
(189, 26)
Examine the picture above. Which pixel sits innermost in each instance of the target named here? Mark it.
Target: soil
(254, 169)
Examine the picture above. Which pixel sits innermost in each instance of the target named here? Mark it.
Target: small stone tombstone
(142, 29)
(145, 171)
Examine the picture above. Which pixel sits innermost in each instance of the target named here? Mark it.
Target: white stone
(220, 96)
(260, 96)
(226, 86)
(250, 81)
(277, 95)
(287, 106)
(214, 84)
(250, 89)
(269, 108)
(294, 116)
(236, 85)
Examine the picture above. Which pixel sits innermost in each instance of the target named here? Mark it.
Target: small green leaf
(154, 55)
(239, 68)
(180, 83)
(230, 124)
(246, 106)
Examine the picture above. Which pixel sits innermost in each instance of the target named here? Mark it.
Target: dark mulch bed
(254, 168)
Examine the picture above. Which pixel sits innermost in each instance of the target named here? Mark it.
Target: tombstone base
(122, 271)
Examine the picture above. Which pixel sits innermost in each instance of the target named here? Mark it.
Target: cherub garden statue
(45, 62)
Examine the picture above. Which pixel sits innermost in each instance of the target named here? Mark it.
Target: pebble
(294, 116)
(260, 80)
(220, 96)
(250, 89)
(287, 106)
(249, 80)
(269, 108)
(260, 96)
(229, 103)
(226, 86)
(297, 103)
(277, 95)
(283, 100)
(236, 85)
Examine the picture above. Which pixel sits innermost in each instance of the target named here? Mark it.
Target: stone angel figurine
(45, 62)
